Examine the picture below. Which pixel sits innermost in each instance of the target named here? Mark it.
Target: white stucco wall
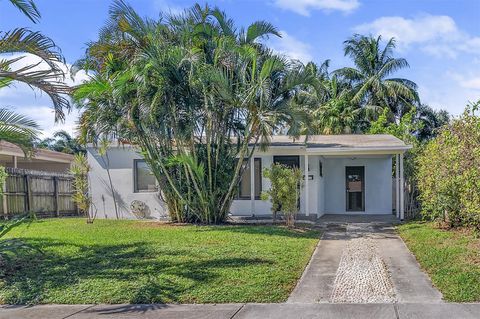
(378, 184)
(242, 207)
(121, 171)
(321, 188)
(327, 194)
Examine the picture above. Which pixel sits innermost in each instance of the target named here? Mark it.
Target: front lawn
(144, 262)
(452, 258)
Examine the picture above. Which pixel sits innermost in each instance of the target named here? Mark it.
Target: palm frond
(18, 129)
(28, 8)
(22, 40)
(47, 82)
(260, 29)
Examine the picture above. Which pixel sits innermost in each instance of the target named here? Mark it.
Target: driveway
(361, 259)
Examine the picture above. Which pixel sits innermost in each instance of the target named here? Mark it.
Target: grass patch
(139, 262)
(451, 258)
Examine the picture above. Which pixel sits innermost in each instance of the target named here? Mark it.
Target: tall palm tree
(46, 75)
(63, 142)
(372, 86)
(431, 121)
(337, 115)
(193, 92)
(326, 105)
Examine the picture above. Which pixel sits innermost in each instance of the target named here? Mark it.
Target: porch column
(397, 185)
(402, 191)
(14, 162)
(252, 185)
(307, 211)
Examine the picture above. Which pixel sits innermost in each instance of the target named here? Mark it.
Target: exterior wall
(378, 184)
(321, 188)
(313, 184)
(243, 206)
(121, 172)
(327, 194)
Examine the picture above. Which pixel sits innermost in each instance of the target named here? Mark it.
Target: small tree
(3, 179)
(284, 191)
(81, 196)
(448, 172)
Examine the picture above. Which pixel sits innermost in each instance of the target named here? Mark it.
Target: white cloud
(45, 118)
(437, 34)
(467, 80)
(451, 90)
(291, 47)
(304, 7)
(167, 7)
(472, 83)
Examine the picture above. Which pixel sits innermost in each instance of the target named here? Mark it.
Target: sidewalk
(242, 311)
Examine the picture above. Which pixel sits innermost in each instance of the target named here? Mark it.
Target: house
(41, 160)
(346, 174)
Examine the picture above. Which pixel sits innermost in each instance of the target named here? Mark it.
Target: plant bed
(451, 258)
(113, 261)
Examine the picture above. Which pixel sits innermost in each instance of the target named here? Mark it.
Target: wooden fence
(44, 193)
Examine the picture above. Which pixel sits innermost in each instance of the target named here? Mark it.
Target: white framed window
(244, 187)
(143, 178)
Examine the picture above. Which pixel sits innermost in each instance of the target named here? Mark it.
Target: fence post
(4, 200)
(55, 187)
(28, 194)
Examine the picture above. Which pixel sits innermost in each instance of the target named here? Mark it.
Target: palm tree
(18, 129)
(326, 105)
(47, 74)
(372, 87)
(63, 142)
(183, 89)
(338, 115)
(28, 8)
(431, 121)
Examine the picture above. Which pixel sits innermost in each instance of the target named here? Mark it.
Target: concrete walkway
(244, 311)
(411, 284)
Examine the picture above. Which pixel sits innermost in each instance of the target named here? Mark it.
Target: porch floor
(358, 218)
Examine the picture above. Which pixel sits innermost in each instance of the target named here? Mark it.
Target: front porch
(338, 180)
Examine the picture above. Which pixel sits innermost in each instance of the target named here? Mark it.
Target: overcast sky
(439, 38)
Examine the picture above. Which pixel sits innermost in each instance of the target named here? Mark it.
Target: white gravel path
(362, 276)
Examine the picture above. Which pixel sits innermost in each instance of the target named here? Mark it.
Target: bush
(81, 195)
(284, 192)
(448, 171)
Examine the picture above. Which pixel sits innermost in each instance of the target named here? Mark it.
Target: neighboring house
(347, 174)
(41, 159)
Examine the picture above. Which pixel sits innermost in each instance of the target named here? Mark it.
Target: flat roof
(10, 149)
(340, 141)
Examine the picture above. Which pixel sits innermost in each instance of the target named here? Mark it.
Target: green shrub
(448, 171)
(284, 191)
(81, 196)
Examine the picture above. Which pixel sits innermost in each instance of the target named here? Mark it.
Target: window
(144, 181)
(290, 161)
(244, 187)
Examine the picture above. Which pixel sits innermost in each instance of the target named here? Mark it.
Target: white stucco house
(343, 174)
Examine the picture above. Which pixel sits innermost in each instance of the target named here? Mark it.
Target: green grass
(142, 262)
(451, 258)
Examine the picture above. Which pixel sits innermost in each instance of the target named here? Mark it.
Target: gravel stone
(362, 276)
